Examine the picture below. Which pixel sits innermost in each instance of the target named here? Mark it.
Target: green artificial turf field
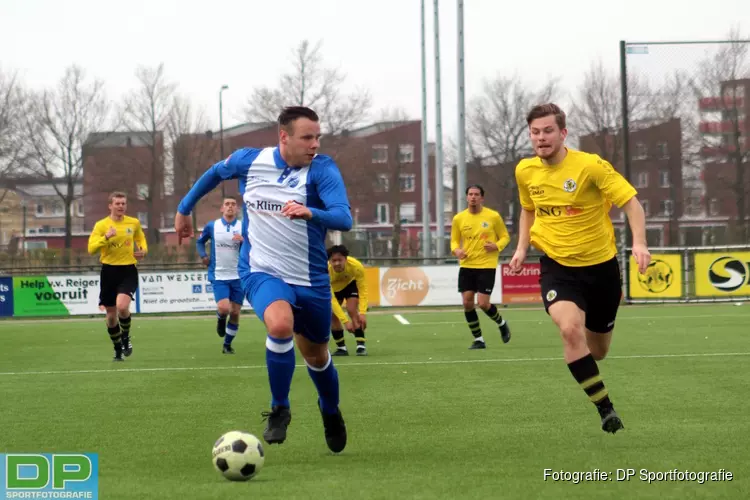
(427, 418)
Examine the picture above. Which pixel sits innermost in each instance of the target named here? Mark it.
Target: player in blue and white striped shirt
(225, 235)
(292, 197)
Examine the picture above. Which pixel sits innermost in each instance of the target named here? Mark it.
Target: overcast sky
(377, 44)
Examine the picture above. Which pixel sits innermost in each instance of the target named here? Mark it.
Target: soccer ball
(238, 455)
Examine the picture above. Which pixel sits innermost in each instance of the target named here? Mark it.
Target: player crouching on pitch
(348, 284)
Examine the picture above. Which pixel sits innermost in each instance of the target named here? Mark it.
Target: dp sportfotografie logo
(49, 475)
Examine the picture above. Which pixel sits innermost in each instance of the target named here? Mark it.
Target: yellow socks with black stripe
(586, 373)
(473, 320)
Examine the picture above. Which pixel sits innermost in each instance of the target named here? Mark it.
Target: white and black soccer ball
(238, 455)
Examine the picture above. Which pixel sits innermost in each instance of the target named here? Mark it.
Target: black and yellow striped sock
(586, 373)
(473, 320)
(338, 337)
(359, 335)
(494, 315)
(125, 327)
(115, 335)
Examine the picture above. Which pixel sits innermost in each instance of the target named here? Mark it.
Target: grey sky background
(377, 44)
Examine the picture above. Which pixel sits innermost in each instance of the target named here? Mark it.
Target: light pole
(221, 131)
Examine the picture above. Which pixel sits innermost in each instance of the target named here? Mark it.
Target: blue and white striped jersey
(291, 250)
(225, 249)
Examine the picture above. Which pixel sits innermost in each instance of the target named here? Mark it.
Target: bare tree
(190, 148)
(148, 109)
(57, 124)
(722, 75)
(310, 83)
(597, 108)
(12, 110)
(497, 132)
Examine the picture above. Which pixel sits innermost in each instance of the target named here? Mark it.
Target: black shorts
(476, 280)
(115, 280)
(350, 291)
(596, 290)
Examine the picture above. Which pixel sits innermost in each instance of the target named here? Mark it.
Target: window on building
(641, 180)
(380, 153)
(406, 153)
(39, 209)
(383, 183)
(666, 207)
(142, 191)
(408, 212)
(641, 151)
(662, 152)
(644, 203)
(381, 213)
(143, 219)
(664, 178)
(408, 182)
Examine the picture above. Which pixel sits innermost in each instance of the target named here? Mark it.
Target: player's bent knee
(484, 302)
(279, 320)
(572, 332)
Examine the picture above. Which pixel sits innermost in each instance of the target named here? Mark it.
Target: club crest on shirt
(129, 230)
(570, 185)
(293, 182)
(485, 224)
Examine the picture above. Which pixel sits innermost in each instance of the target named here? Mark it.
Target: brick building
(725, 134)
(132, 162)
(34, 204)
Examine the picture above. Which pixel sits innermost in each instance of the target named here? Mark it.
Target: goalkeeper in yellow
(347, 284)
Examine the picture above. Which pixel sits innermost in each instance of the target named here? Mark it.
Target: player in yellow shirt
(566, 196)
(348, 284)
(121, 241)
(478, 235)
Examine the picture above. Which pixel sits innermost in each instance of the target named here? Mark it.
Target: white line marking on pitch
(543, 319)
(375, 363)
(401, 319)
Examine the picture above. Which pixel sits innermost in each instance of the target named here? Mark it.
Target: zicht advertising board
(426, 286)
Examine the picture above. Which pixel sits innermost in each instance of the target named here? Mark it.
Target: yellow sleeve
(523, 190)
(361, 279)
(455, 234)
(97, 239)
(140, 238)
(503, 237)
(610, 182)
(337, 311)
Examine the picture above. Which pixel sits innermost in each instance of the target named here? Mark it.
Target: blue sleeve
(206, 235)
(337, 214)
(236, 165)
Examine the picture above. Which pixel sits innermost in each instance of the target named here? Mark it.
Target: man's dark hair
(475, 186)
(292, 113)
(340, 249)
(549, 109)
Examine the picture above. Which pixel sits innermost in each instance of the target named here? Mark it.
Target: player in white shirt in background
(225, 235)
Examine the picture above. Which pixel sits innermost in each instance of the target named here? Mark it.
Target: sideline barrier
(679, 274)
